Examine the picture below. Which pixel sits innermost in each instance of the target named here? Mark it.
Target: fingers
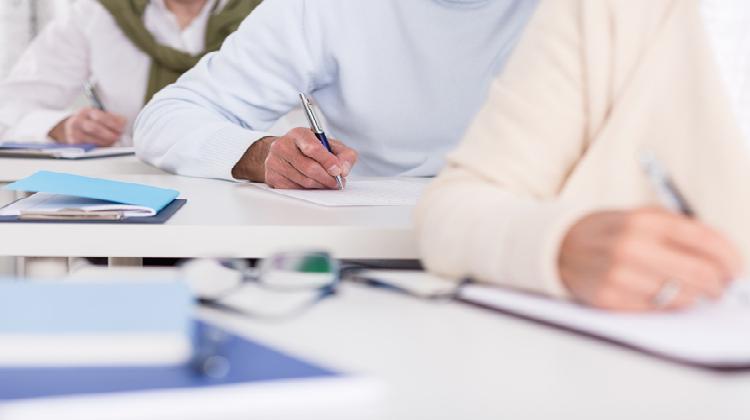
(279, 181)
(311, 147)
(94, 126)
(299, 160)
(702, 276)
(282, 175)
(97, 133)
(625, 260)
(113, 122)
(347, 156)
(705, 242)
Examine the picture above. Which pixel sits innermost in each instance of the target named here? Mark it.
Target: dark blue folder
(250, 362)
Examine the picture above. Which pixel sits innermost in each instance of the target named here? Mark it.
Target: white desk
(449, 361)
(13, 169)
(225, 219)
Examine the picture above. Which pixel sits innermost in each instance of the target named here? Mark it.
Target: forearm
(182, 137)
(469, 227)
(27, 125)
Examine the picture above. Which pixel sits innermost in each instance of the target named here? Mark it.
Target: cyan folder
(96, 188)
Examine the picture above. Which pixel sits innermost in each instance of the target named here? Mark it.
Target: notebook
(364, 192)
(83, 323)
(60, 151)
(262, 382)
(712, 335)
(67, 196)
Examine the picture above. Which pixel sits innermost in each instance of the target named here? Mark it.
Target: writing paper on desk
(364, 192)
(95, 188)
(713, 335)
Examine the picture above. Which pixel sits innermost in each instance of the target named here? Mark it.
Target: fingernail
(334, 170)
(347, 168)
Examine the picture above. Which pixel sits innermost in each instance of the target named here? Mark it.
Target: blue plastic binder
(250, 362)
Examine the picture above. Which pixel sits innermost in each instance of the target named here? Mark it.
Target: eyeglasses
(285, 284)
(281, 286)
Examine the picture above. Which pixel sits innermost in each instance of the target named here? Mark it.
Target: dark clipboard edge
(49, 157)
(160, 218)
(725, 369)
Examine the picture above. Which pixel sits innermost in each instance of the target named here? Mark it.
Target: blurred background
(20, 21)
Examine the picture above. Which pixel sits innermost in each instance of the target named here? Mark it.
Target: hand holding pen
(648, 258)
(93, 125)
(303, 158)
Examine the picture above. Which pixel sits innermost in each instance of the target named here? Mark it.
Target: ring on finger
(667, 293)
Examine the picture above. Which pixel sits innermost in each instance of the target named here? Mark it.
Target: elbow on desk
(437, 240)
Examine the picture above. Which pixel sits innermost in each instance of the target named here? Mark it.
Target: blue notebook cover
(84, 307)
(45, 146)
(250, 362)
(96, 188)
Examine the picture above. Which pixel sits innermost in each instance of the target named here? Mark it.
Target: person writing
(126, 49)
(547, 192)
(398, 82)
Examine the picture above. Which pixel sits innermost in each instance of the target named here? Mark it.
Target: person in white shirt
(397, 80)
(128, 49)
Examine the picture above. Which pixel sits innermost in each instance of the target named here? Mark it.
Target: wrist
(252, 164)
(57, 133)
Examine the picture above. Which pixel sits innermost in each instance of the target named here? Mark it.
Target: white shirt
(397, 80)
(728, 27)
(87, 44)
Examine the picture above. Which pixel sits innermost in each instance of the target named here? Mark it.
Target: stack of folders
(713, 335)
(60, 151)
(67, 197)
(131, 350)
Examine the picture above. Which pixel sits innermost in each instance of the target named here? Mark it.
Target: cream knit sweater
(592, 85)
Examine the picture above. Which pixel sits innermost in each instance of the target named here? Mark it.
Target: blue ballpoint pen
(317, 129)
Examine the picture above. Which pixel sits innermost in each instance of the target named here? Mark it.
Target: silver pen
(668, 192)
(317, 129)
(673, 199)
(90, 90)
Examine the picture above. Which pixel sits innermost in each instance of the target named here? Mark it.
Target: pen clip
(310, 113)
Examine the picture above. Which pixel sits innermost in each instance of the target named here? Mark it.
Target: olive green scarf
(168, 64)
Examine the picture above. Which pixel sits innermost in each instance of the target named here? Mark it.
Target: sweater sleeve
(492, 214)
(202, 125)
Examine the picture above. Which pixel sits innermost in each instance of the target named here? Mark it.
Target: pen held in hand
(317, 129)
(90, 90)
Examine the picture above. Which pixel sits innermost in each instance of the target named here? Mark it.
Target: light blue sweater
(397, 80)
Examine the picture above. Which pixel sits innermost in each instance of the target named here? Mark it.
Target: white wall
(20, 20)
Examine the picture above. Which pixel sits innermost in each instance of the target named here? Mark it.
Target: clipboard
(160, 218)
(62, 152)
(713, 337)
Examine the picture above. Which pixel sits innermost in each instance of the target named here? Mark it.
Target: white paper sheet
(365, 192)
(713, 334)
(44, 202)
